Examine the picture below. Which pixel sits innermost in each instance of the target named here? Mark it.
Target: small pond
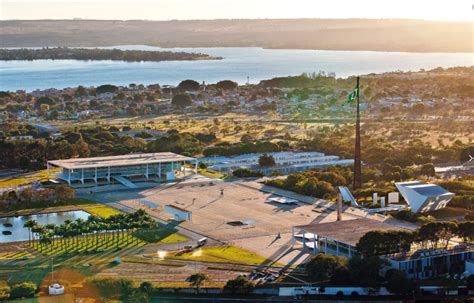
(19, 233)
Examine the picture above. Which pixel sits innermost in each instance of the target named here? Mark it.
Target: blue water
(20, 233)
(238, 63)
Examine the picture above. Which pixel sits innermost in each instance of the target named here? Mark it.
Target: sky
(444, 10)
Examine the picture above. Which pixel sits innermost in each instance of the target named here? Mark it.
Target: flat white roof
(122, 160)
(255, 156)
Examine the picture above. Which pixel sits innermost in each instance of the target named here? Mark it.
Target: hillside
(325, 34)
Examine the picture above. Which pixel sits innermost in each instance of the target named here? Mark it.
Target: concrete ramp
(347, 196)
(125, 182)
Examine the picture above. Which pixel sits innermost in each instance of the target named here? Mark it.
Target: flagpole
(357, 157)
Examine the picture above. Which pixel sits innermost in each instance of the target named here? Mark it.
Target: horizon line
(238, 19)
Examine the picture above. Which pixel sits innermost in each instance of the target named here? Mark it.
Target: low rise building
(285, 162)
(156, 166)
(341, 237)
(423, 197)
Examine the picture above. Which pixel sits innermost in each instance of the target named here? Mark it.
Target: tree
(23, 290)
(246, 138)
(266, 160)
(4, 292)
(197, 280)
(106, 88)
(44, 109)
(322, 267)
(30, 224)
(189, 85)
(465, 230)
(126, 288)
(82, 149)
(376, 243)
(466, 155)
(64, 192)
(435, 231)
(146, 288)
(226, 85)
(181, 101)
(470, 282)
(240, 285)
(446, 231)
(427, 170)
(398, 283)
(366, 271)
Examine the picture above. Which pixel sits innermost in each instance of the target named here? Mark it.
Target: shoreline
(166, 48)
(48, 210)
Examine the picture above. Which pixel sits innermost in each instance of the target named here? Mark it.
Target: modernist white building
(424, 197)
(340, 238)
(156, 166)
(286, 162)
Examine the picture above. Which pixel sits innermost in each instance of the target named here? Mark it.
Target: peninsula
(63, 53)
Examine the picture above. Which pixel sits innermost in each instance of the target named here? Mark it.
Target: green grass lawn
(211, 173)
(41, 175)
(100, 210)
(159, 236)
(85, 245)
(222, 254)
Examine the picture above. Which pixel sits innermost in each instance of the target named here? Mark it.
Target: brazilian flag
(353, 95)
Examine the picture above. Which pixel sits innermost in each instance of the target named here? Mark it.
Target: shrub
(266, 160)
(23, 290)
(240, 285)
(397, 282)
(112, 288)
(407, 215)
(4, 292)
(322, 267)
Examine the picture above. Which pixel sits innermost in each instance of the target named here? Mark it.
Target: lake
(238, 64)
(20, 233)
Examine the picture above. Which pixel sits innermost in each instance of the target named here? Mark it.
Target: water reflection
(19, 233)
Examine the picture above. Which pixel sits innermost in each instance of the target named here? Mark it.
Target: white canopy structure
(424, 197)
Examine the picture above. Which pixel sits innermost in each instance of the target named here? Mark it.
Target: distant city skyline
(442, 10)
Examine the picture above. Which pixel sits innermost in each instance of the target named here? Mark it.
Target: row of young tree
(430, 235)
(75, 235)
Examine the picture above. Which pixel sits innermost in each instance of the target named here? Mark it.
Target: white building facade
(285, 162)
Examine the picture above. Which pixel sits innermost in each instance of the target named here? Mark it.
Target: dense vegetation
(430, 235)
(18, 291)
(341, 271)
(29, 198)
(64, 53)
(464, 191)
(315, 182)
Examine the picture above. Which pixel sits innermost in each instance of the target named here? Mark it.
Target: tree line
(31, 198)
(66, 53)
(430, 235)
